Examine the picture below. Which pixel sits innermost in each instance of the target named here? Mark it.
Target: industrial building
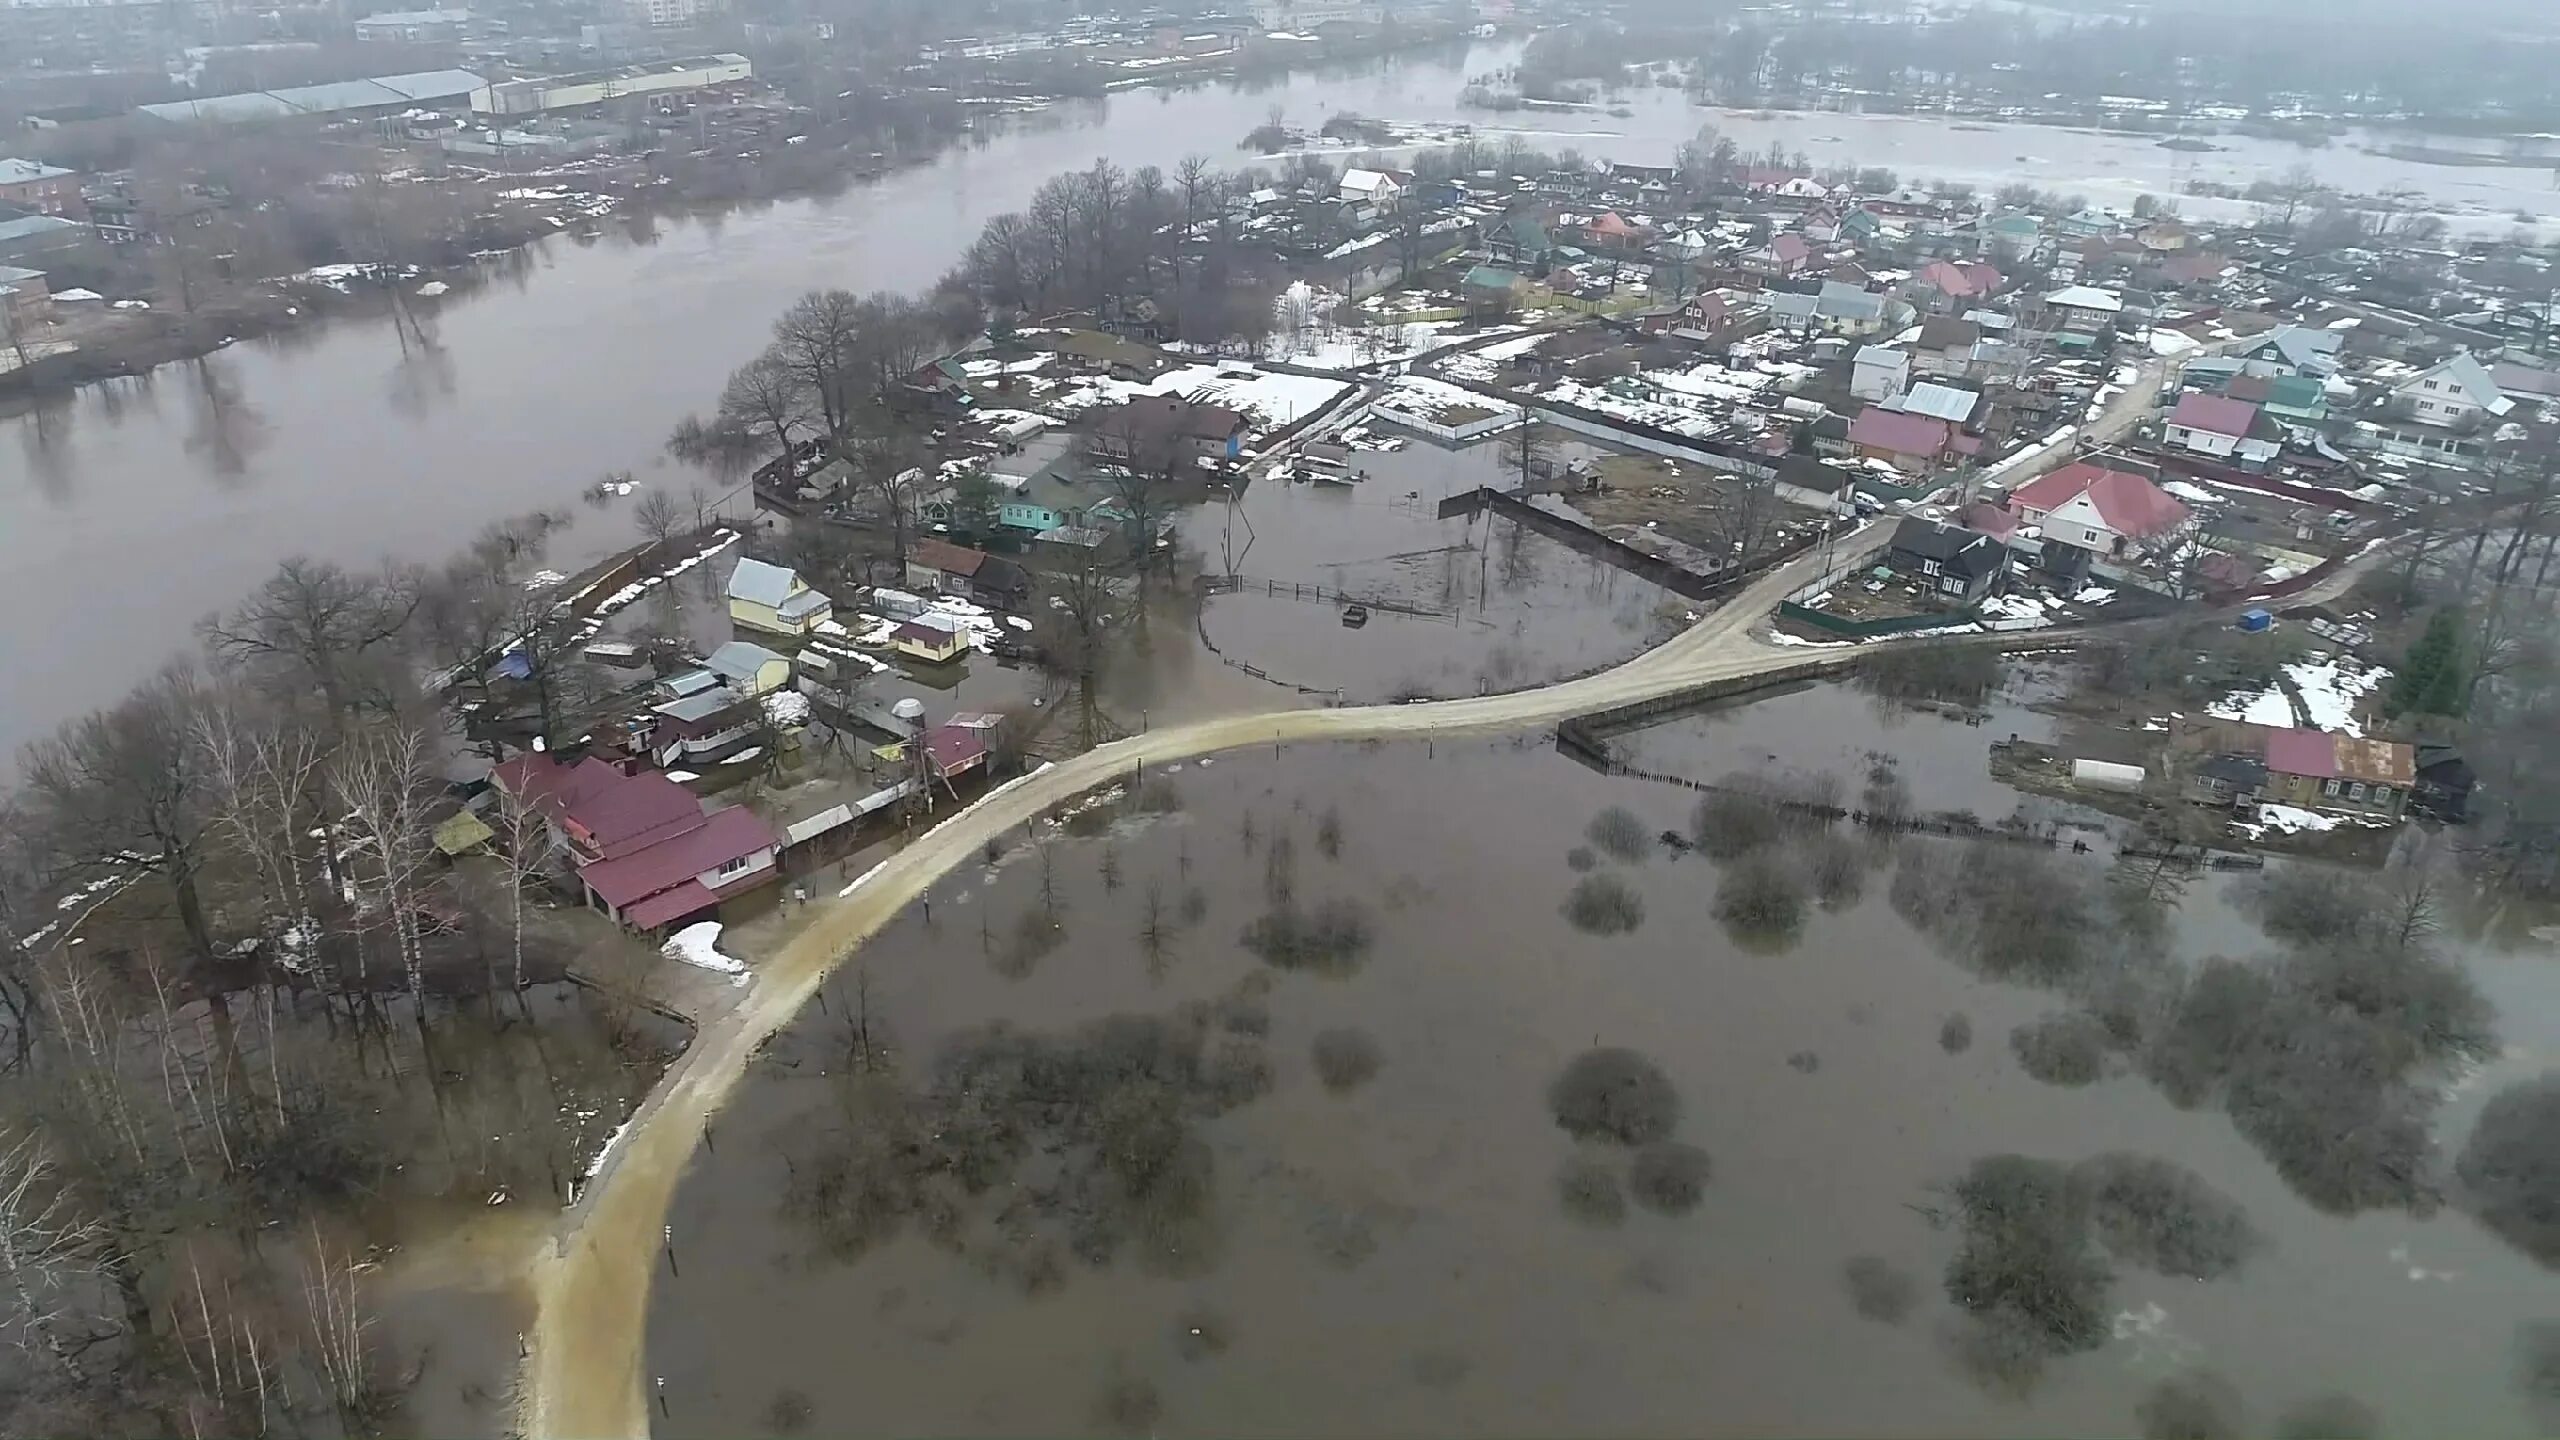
(546, 94)
(338, 100)
(413, 27)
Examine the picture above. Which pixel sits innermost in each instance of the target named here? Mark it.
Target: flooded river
(147, 503)
(1370, 1239)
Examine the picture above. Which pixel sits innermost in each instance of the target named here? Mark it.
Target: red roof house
(2097, 508)
(1912, 441)
(644, 851)
(2210, 424)
(721, 855)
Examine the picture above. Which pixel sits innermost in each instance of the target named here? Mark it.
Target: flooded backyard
(1261, 1100)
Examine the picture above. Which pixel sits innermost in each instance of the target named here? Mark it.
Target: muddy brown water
(1394, 1260)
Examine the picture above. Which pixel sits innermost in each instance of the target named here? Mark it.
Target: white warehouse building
(544, 94)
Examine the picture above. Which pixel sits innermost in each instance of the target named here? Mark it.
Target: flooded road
(154, 501)
(1388, 1256)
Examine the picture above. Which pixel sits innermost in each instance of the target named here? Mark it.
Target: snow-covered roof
(2084, 297)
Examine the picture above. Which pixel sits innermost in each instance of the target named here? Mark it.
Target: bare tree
(661, 519)
(812, 346)
(1746, 516)
(50, 1259)
(321, 626)
(124, 790)
(380, 779)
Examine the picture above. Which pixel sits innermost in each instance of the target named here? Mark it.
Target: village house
(2451, 393)
(1784, 257)
(1879, 373)
(1945, 347)
(749, 668)
(1948, 287)
(1490, 292)
(640, 846)
(2080, 317)
(928, 639)
(2097, 509)
(1162, 432)
(944, 568)
(1378, 188)
(702, 727)
(1954, 564)
(2317, 770)
(2222, 428)
(1521, 241)
(1913, 444)
(2290, 350)
(774, 599)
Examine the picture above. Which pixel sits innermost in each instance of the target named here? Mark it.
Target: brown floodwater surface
(1395, 1260)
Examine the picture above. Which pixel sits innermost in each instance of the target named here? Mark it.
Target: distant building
(338, 100)
(1288, 15)
(41, 188)
(550, 93)
(413, 27)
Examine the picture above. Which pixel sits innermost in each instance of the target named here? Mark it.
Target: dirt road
(590, 1284)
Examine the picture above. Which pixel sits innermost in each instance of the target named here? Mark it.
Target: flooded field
(1266, 1101)
(1461, 606)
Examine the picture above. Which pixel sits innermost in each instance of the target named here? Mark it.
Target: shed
(2256, 619)
(2106, 775)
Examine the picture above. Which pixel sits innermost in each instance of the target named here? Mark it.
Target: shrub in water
(1614, 1094)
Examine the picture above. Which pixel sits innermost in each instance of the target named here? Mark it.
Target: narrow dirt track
(590, 1283)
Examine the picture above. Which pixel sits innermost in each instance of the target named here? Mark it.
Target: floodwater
(1462, 606)
(1394, 1260)
(147, 503)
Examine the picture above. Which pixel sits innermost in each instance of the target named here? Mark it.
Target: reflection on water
(1349, 983)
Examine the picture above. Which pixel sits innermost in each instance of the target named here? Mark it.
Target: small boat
(1355, 616)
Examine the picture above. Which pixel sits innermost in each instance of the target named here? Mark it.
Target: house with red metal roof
(2097, 509)
(1911, 442)
(2320, 770)
(643, 850)
(2223, 428)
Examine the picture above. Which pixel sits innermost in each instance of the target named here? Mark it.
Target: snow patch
(699, 946)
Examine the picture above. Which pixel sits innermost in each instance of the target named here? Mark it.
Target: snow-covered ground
(2331, 687)
(699, 946)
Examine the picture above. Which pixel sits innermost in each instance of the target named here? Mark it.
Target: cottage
(2455, 393)
(1952, 286)
(2292, 350)
(1954, 563)
(1489, 291)
(2317, 770)
(1521, 240)
(1380, 188)
(704, 727)
(1164, 432)
(2218, 426)
(1939, 402)
(948, 569)
(923, 639)
(2097, 509)
(1611, 231)
(1783, 257)
(1879, 373)
(1846, 310)
(1913, 443)
(749, 668)
(707, 870)
(2225, 779)
(774, 599)
(1945, 347)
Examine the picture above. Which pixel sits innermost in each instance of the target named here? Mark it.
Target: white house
(1374, 187)
(1880, 373)
(2455, 392)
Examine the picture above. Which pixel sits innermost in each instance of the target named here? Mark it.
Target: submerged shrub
(2510, 1167)
(1590, 1192)
(1731, 822)
(1669, 1178)
(2329, 1417)
(1880, 1290)
(2026, 1259)
(2065, 1049)
(2197, 1405)
(1760, 897)
(1619, 834)
(2164, 1217)
(1614, 1094)
(1345, 1058)
(1603, 904)
(1331, 939)
(1955, 1034)
(1580, 859)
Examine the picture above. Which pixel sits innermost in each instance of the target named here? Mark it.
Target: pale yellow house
(749, 668)
(774, 599)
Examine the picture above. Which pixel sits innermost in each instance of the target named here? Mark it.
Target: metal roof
(335, 98)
